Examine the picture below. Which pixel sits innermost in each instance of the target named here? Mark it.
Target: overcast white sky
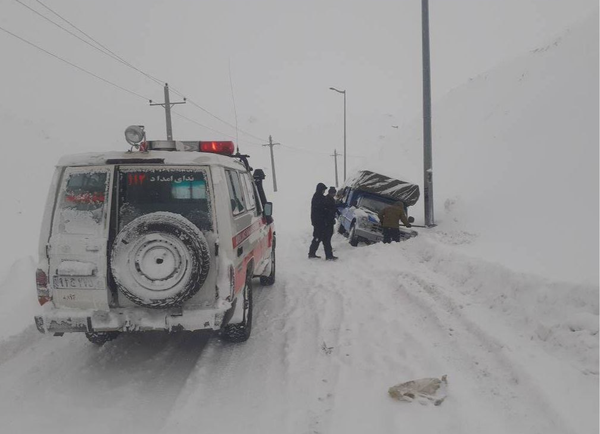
(284, 56)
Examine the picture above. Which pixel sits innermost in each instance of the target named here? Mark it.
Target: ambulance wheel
(100, 338)
(240, 331)
(270, 279)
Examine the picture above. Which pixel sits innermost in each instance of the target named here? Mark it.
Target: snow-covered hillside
(515, 158)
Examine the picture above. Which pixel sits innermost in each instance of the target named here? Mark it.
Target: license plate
(61, 282)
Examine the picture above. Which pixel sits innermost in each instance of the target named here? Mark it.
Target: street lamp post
(427, 160)
(344, 93)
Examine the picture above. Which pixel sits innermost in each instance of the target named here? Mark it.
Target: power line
(106, 53)
(74, 65)
(146, 98)
(212, 129)
(355, 156)
(192, 102)
(297, 148)
(97, 76)
(107, 50)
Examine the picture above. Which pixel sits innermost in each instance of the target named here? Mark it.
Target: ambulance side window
(236, 194)
(249, 190)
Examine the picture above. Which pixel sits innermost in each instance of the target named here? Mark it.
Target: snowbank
(18, 298)
(515, 158)
(329, 337)
(560, 316)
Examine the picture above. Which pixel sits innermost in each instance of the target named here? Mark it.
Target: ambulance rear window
(181, 191)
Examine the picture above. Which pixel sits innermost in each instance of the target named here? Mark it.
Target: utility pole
(427, 160)
(335, 155)
(344, 135)
(167, 105)
(343, 92)
(270, 145)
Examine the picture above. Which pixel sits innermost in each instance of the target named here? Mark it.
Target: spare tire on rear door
(160, 260)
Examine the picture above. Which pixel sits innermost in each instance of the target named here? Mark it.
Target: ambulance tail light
(41, 282)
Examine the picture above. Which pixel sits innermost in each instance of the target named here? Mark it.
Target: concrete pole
(168, 113)
(167, 105)
(273, 164)
(344, 93)
(270, 145)
(344, 136)
(427, 157)
(335, 155)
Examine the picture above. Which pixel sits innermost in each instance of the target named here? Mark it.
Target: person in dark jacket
(331, 213)
(390, 218)
(319, 220)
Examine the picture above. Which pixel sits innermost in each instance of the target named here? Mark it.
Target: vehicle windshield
(181, 191)
(372, 204)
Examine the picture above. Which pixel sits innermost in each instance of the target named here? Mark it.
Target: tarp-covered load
(385, 186)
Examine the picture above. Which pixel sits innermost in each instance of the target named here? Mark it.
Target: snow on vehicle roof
(168, 158)
(385, 186)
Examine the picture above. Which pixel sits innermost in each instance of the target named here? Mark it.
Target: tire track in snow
(360, 356)
(14, 345)
(316, 330)
(129, 385)
(496, 371)
(240, 387)
(284, 361)
(493, 360)
(377, 349)
(430, 332)
(380, 324)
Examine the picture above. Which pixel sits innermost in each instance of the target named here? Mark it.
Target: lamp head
(135, 134)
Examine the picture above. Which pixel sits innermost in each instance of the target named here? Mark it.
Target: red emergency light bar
(225, 148)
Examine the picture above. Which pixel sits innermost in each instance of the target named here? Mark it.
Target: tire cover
(160, 260)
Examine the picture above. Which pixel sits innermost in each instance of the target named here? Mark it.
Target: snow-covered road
(329, 339)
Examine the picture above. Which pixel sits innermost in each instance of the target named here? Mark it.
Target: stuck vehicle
(166, 238)
(361, 199)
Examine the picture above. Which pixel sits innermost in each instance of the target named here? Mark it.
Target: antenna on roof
(237, 138)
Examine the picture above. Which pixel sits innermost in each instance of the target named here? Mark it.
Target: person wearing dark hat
(331, 213)
(319, 220)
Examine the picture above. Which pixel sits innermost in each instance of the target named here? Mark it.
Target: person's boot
(313, 256)
(331, 258)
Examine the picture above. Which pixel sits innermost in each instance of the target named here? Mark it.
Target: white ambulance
(166, 236)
